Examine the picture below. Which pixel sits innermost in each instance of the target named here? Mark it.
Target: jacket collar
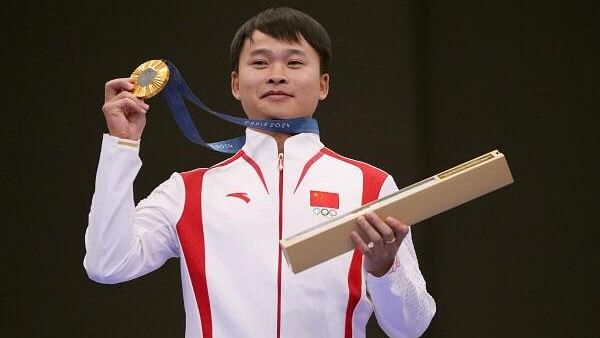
(298, 150)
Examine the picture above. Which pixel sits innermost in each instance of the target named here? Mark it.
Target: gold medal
(149, 78)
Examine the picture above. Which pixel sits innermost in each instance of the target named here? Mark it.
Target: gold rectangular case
(410, 205)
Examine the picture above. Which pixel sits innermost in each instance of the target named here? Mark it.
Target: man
(225, 222)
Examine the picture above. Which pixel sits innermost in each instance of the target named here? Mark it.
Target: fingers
(382, 233)
(372, 235)
(125, 102)
(379, 241)
(116, 86)
(400, 229)
(125, 114)
(361, 244)
(385, 231)
(129, 97)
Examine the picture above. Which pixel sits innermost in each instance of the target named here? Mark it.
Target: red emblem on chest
(324, 199)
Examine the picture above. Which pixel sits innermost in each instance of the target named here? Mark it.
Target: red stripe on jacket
(191, 236)
(373, 179)
(190, 230)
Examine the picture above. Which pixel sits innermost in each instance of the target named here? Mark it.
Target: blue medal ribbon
(177, 89)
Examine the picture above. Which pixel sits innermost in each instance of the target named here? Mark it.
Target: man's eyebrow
(287, 51)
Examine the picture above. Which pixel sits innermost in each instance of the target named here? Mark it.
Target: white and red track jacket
(225, 223)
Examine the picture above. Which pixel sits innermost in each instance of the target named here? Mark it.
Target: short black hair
(285, 24)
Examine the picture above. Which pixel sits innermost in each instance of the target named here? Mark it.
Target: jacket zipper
(280, 166)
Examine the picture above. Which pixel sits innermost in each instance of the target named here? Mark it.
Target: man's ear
(324, 86)
(235, 84)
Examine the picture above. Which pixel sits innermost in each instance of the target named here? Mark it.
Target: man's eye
(295, 63)
(259, 63)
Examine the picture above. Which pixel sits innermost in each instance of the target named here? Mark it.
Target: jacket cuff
(109, 141)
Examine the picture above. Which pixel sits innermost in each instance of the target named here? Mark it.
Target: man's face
(278, 80)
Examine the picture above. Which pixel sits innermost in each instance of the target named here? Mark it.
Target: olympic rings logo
(324, 212)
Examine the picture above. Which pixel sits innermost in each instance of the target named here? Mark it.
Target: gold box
(410, 205)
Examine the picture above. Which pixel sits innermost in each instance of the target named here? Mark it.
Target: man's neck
(279, 138)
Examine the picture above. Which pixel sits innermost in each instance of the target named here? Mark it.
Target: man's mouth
(276, 93)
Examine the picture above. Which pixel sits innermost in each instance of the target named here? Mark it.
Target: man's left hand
(379, 242)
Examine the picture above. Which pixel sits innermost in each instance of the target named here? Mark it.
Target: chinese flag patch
(324, 199)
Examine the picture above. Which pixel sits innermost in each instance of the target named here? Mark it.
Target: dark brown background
(417, 86)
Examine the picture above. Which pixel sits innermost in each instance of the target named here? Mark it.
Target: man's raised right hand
(125, 114)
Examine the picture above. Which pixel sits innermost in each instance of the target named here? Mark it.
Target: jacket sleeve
(403, 307)
(124, 241)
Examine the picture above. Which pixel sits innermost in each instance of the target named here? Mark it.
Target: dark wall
(417, 86)
(520, 76)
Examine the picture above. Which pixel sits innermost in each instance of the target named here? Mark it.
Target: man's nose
(277, 75)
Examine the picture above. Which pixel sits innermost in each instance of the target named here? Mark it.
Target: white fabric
(241, 244)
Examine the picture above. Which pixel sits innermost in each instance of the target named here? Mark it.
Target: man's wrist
(382, 269)
(386, 269)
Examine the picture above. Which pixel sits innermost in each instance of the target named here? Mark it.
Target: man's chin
(278, 116)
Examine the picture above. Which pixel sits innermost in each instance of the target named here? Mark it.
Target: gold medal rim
(157, 84)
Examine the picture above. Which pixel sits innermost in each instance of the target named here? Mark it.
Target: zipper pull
(280, 161)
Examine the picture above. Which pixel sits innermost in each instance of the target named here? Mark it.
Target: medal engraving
(146, 77)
